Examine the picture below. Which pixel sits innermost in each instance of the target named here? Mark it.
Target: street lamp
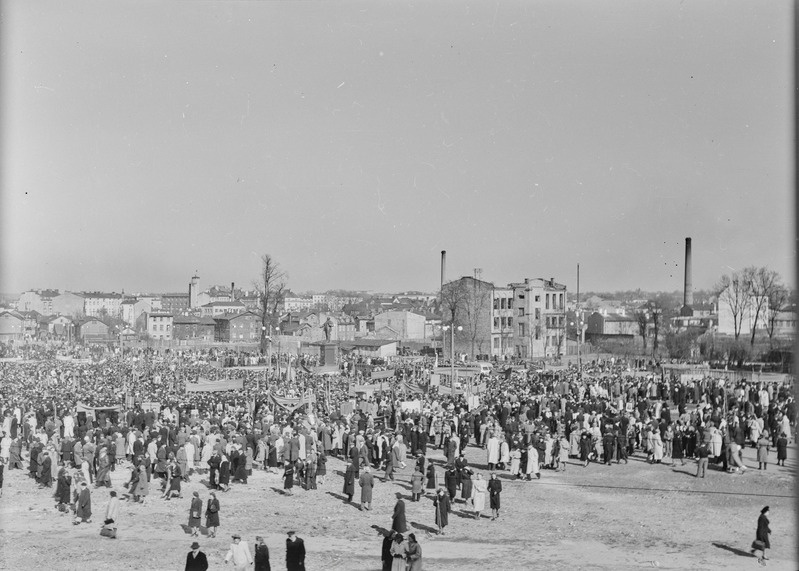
(451, 328)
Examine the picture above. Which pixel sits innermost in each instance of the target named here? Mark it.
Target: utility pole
(579, 328)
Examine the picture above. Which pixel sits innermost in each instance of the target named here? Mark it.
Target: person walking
(782, 449)
(398, 522)
(763, 447)
(195, 514)
(761, 542)
(239, 554)
(349, 481)
(494, 490)
(196, 559)
(417, 483)
(479, 488)
(414, 556)
(442, 505)
(83, 509)
(367, 483)
(261, 557)
(288, 477)
(212, 514)
(295, 553)
(111, 516)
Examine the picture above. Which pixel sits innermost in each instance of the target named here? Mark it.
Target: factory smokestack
(232, 291)
(443, 266)
(688, 292)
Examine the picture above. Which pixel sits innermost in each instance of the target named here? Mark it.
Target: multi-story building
(502, 318)
(193, 328)
(297, 303)
(69, 303)
(175, 303)
(11, 326)
(216, 308)
(400, 325)
(159, 325)
(39, 300)
(92, 329)
(238, 327)
(133, 308)
(96, 303)
(540, 317)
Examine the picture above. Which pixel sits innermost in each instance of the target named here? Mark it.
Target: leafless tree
(734, 290)
(271, 286)
(763, 282)
(777, 298)
(642, 320)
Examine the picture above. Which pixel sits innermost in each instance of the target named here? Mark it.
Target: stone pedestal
(329, 354)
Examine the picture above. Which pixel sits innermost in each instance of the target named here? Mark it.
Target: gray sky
(354, 141)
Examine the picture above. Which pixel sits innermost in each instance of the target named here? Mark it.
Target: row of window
(161, 327)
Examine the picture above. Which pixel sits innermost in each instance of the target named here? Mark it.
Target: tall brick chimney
(688, 292)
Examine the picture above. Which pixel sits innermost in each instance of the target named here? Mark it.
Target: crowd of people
(77, 422)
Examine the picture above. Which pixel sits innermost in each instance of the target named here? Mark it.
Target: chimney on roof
(232, 291)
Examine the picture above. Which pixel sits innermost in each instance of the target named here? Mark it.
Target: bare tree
(642, 320)
(777, 298)
(734, 290)
(763, 283)
(271, 286)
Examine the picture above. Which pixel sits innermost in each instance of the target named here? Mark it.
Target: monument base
(329, 354)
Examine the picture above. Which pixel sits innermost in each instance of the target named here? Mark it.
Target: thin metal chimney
(232, 290)
(688, 293)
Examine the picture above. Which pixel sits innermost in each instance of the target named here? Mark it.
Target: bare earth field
(635, 516)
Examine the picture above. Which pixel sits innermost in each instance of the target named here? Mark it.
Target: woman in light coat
(479, 489)
(657, 446)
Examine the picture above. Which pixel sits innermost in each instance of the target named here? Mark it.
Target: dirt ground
(614, 517)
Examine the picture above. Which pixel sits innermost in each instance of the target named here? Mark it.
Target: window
(521, 329)
(547, 304)
(496, 322)
(510, 322)
(521, 312)
(503, 321)
(510, 303)
(537, 298)
(496, 303)
(538, 313)
(167, 326)
(561, 301)
(496, 342)
(521, 295)
(502, 303)
(538, 333)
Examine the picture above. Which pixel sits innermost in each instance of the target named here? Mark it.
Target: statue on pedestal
(327, 327)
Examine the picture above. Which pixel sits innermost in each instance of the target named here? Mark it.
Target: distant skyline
(354, 141)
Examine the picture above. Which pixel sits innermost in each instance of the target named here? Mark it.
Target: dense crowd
(136, 415)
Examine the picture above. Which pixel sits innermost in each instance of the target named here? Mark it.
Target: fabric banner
(292, 404)
(435, 380)
(411, 406)
(346, 408)
(366, 389)
(383, 374)
(204, 385)
(148, 406)
(412, 387)
(86, 408)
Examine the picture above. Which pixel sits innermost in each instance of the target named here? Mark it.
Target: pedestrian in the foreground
(442, 505)
(398, 522)
(196, 559)
(367, 482)
(83, 509)
(295, 553)
(385, 554)
(261, 555)
(195, 514)
(479, 489)
(239, 553)
(111, 517)
(494, 490)
(763, 447)
(398, 551)
(414, 554)
(761, 542)
(212, 515)
(701, 460)
(782, 454)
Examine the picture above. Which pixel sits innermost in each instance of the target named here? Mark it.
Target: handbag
(758, 545)
(195, 514)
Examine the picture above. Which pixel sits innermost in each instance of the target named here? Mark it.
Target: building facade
(96, 303)
(238, 327)
(69, 303)
(159, 325)
(193, 328)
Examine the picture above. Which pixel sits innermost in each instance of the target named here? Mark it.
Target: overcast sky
(353, 141)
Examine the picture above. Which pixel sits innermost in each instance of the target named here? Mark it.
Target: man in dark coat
(349, 480)
(261, 556)
(385, 555)
(83, 510)
(295, 553)
(196, 559)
